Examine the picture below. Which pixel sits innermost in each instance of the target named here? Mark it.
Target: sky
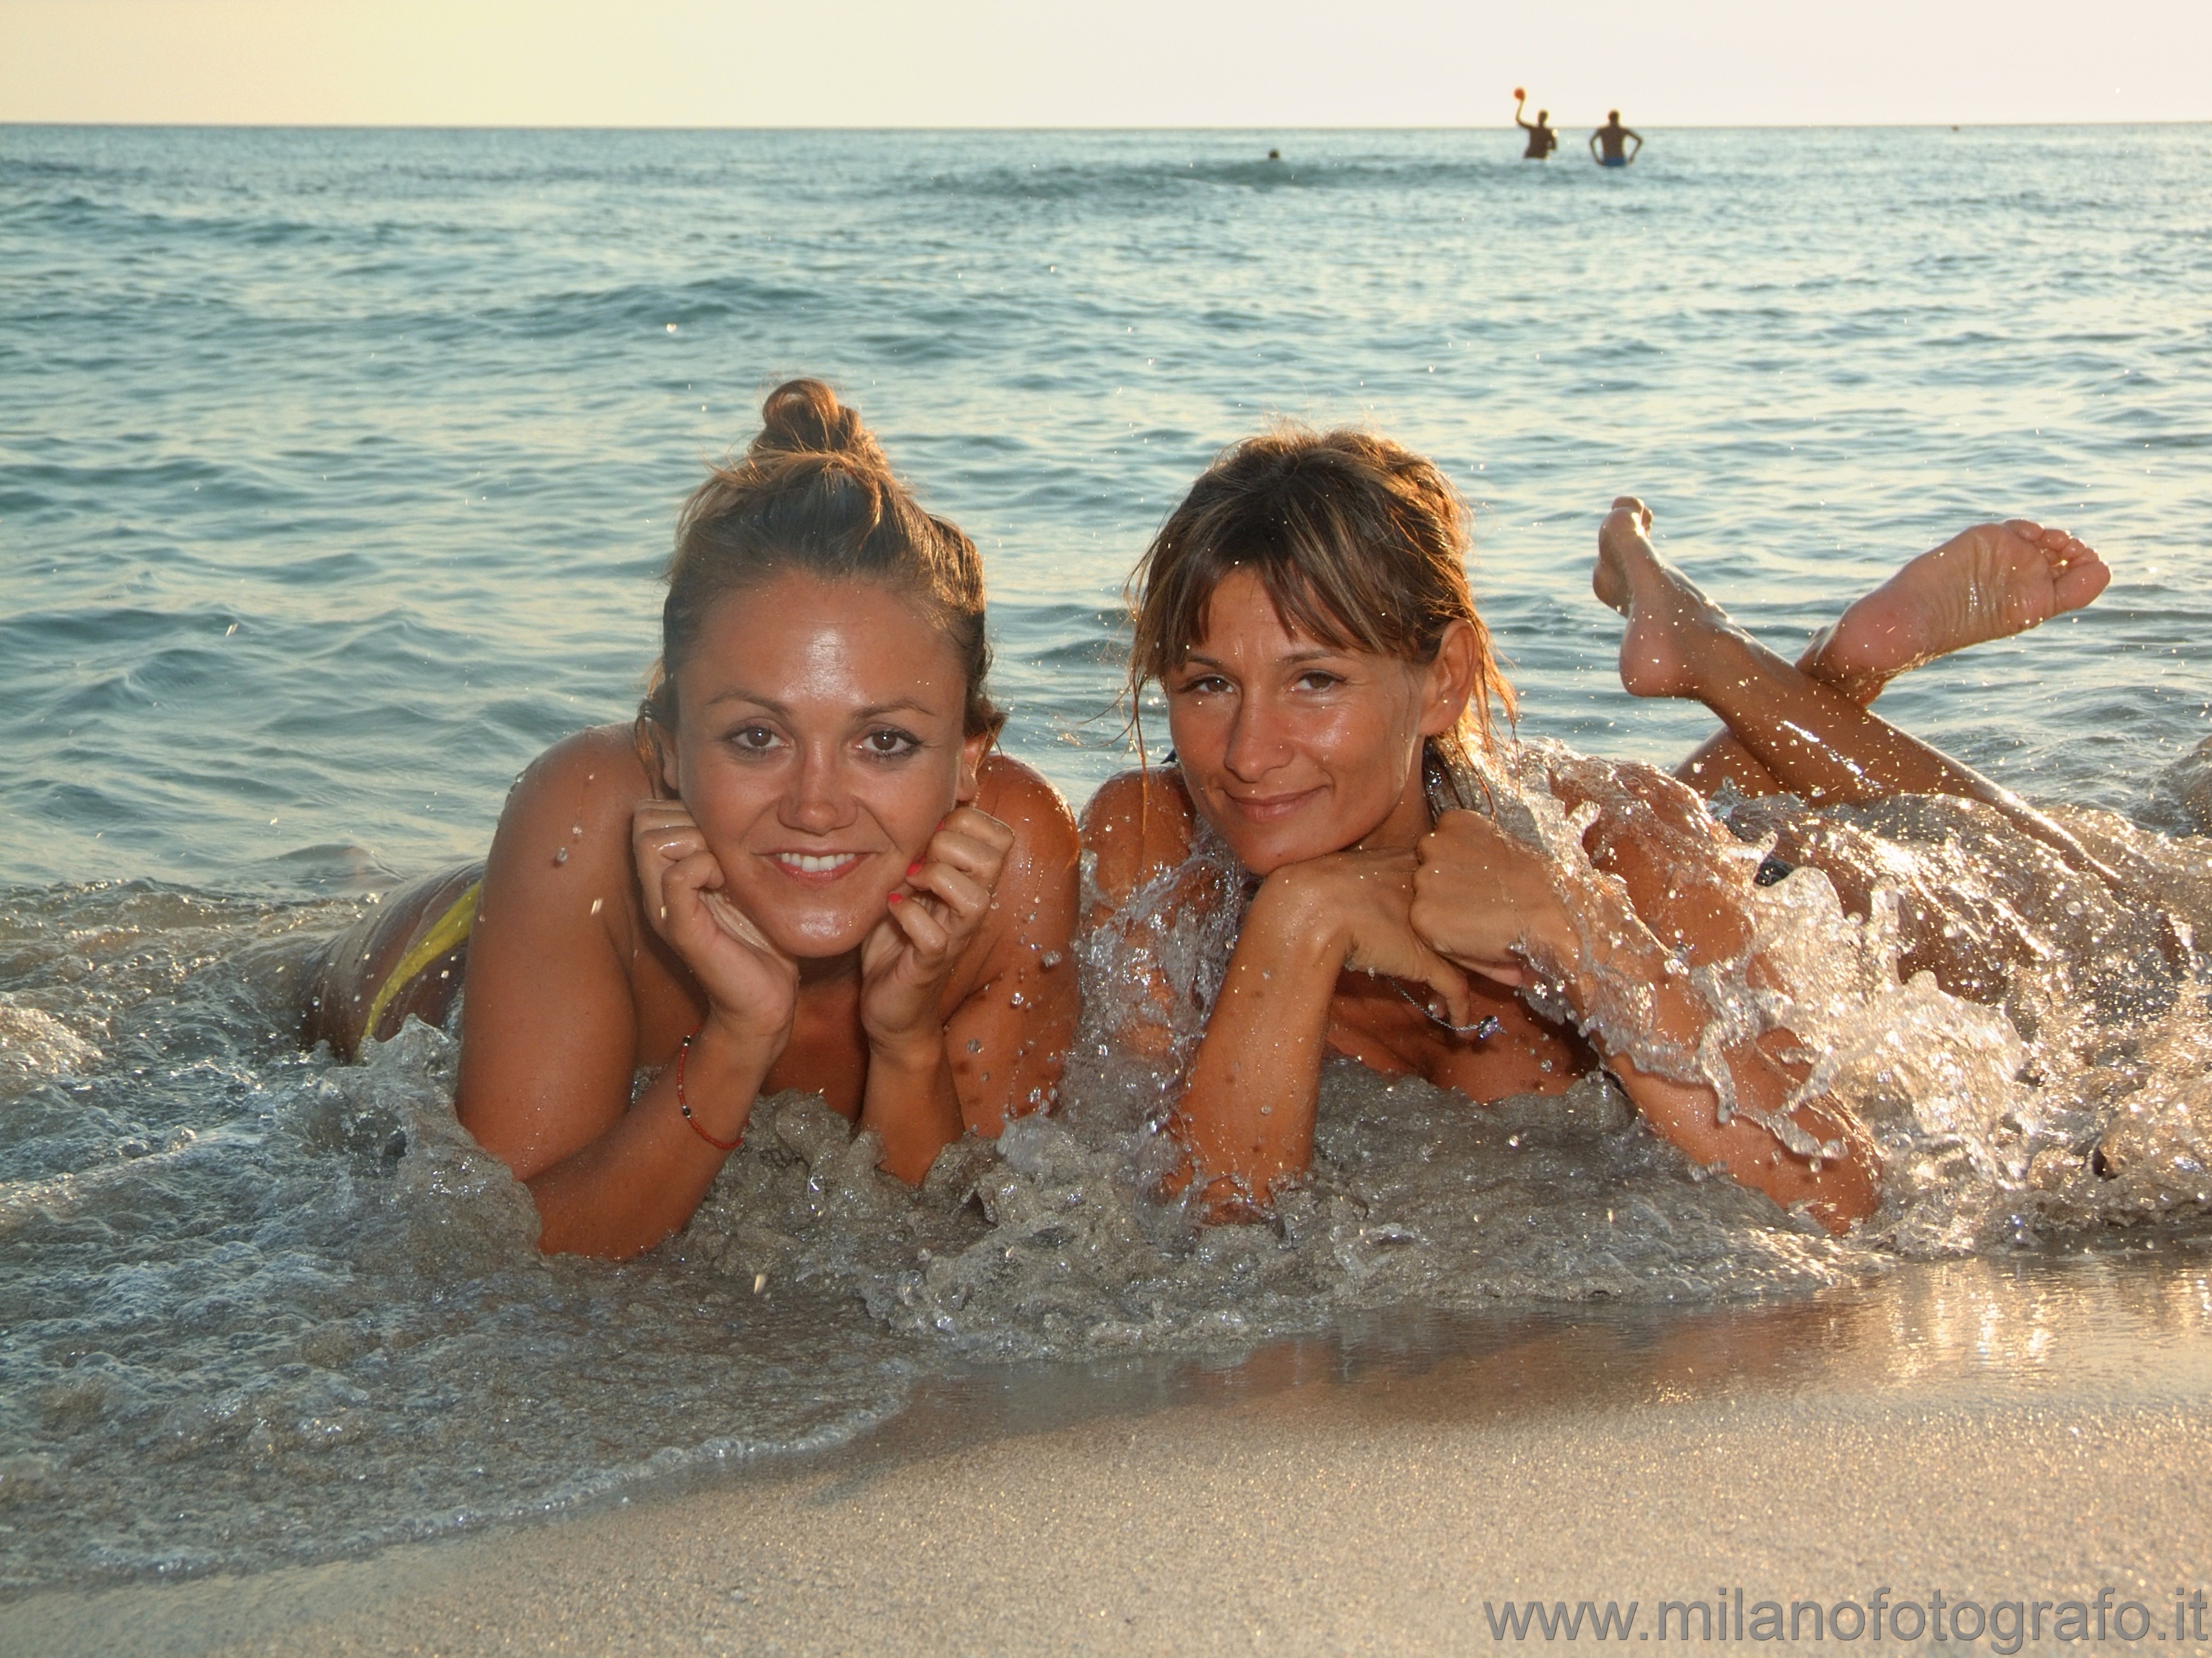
(1114, 62)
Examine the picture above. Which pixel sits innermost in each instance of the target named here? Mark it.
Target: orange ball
(1519, 95)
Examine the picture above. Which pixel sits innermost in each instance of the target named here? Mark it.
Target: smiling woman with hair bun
(802, 867)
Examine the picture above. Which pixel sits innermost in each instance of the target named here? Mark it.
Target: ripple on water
(406, 411)
(261, 1308)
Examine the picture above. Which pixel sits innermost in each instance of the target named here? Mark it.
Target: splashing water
(258, 1307)
(254, 1307)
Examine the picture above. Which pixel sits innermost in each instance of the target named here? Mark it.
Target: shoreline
(2003, 1431)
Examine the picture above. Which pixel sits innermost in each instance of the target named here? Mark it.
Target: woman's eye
(752, 739)
(888, 743)
(1205, 684)
(1316, 679)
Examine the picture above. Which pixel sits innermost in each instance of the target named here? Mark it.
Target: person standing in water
(1542, 140)
(1610, 138)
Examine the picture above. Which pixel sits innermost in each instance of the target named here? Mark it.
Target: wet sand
(2007, 1431)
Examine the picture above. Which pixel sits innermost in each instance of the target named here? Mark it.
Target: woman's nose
(1256, 741)
(819, 799)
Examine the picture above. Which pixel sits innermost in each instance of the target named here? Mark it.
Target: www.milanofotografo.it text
(2008, 1625)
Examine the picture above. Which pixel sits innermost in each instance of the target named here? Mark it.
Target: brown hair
(813, 492)
(1361, 544)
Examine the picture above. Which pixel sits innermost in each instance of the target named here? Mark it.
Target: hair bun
(803, 417)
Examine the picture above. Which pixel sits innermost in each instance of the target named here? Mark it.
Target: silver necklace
(1488, 1025)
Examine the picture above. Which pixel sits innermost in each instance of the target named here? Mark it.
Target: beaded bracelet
(682, 1054)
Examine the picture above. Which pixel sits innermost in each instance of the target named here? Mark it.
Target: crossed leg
(1989, 582)
(1810, 736)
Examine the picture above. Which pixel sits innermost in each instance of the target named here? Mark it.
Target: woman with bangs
(803, 867)
(1330, 691)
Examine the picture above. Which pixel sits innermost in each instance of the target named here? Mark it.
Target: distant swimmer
(1610, 136)
(1275, 154)
(1542, 141)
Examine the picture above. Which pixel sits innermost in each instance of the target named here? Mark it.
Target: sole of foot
(1989, 582)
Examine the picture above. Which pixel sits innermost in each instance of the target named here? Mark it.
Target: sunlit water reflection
(336, 470)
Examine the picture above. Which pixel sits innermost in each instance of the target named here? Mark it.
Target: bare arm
(1007, 1040)
(991, 916)
(1492, 904)
(549, 1037)
(1137, 827)
(1247, 1113)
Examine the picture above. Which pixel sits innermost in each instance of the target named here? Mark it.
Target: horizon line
(607, 126)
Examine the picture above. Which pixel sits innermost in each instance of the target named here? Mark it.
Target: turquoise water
(335, 471)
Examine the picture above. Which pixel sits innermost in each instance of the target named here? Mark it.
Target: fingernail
(914, 869)
(895, 897)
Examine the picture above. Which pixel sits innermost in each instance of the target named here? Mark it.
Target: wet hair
(1360, 542)
(813, 493)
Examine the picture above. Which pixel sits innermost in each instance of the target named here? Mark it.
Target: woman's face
(819, 744)
(1293, 749)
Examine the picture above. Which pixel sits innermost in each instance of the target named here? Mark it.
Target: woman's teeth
(807, 863)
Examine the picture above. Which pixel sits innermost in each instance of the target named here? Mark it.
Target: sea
(337, 471)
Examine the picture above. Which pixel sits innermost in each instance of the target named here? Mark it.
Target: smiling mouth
(818, 865)
(1269, 808)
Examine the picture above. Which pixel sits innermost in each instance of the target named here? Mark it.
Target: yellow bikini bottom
(450, 930)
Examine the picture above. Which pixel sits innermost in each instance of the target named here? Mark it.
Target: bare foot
(1668, 616)
(1989, 582)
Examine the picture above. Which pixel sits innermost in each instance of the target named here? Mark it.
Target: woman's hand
(911, 953)
(752, 986)
(1362, 902)
(1484, 900)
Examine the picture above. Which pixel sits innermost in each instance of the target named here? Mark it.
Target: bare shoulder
(549, 1031)
(1138, 824)
(1019, 796)
(1006, 1048)
(1038, 885)
(566, 827)
(593, 774)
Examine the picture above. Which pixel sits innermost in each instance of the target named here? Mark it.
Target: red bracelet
(682, 1054)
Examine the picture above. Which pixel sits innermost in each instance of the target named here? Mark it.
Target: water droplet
(597, 905)
(561, 855)
(975, 1045)
(1017, 1000)
(575, 831)
(1051, 959)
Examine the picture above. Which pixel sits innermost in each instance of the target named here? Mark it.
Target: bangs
(1320, 557)
(1359, 544)
(1181, 608)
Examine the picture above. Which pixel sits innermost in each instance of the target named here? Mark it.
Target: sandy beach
(1995, 1432)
